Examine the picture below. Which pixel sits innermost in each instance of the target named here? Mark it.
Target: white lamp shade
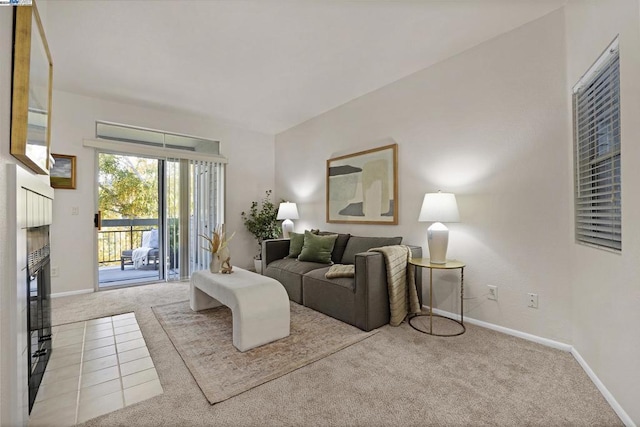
(439, 207)
(287, 210)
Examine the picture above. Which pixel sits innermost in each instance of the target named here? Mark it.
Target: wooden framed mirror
(32, 81)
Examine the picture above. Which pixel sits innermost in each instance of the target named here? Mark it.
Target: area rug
(204, 341)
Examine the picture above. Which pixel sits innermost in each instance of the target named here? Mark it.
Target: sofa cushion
(338, 248)
(319, 275)
(335, 298)
(294, 266)
(295, 244)
(289, 272)
(357, 244)
(317, 248)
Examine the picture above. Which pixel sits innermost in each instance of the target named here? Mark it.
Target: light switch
(75, 210)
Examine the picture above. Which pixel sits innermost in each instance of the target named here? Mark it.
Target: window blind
(596, 104)
(206, 203)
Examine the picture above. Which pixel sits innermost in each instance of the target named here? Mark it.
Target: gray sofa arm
(372, 295)
(274, 249)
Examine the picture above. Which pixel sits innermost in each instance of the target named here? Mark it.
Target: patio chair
(146, 254)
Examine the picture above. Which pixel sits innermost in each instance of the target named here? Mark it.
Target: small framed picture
(63, 172)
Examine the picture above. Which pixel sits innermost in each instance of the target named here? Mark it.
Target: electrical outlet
(75, 210)
(55, 271)
(493, 292)
(533, 300)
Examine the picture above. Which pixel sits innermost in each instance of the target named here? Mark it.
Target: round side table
(449, 265)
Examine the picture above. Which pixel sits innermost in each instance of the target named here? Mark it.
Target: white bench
(259, 304)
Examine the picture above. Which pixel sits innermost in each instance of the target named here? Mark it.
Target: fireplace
(26, 310)
(38, 289)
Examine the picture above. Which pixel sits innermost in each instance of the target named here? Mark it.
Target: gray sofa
(362, 301)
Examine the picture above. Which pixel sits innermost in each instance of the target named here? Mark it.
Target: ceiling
(261, 64)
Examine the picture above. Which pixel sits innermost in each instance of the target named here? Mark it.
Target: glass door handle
(97, 220)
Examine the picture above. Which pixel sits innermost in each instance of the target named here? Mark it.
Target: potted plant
(262, 223)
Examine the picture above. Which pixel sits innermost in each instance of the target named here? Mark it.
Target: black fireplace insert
(38, 306)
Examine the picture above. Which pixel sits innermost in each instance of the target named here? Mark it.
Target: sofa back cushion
(357, 244)
(339, 247)
(317, 248)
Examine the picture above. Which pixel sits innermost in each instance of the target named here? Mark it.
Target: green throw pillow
(317, 248)
(295, 244)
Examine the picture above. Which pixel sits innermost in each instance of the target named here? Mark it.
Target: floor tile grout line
(84, 334)
(115, 341)
(157, 378)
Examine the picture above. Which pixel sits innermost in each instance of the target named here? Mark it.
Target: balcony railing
(119, 235)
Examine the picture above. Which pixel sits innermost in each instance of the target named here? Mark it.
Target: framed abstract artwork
(363, 187)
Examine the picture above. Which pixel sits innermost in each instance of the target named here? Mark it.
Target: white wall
(606, 290)
(6, 27)
(249, 173)
(491, 126)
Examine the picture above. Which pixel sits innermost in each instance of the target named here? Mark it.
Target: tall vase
(215, 264)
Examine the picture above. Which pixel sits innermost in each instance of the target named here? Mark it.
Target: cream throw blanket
(401, 282)
(139, 256)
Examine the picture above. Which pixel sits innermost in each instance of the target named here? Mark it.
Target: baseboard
(626, 419)
(529, 337)
(68, 294)
(622, 414)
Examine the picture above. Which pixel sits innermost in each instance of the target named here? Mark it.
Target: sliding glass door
(157, 193)
(130, 232)
(152, 213)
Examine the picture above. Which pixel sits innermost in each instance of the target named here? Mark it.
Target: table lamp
(287, 211)
(438, 208)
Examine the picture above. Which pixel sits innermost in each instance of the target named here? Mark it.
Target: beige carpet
(396, 377)
(204, 341)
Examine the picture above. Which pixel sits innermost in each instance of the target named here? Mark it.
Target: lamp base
(438, 240)
(287, 227)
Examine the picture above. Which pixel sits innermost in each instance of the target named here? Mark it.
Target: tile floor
(96, 367)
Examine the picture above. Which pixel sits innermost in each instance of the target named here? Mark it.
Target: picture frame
(63, 172)
(32, 88)
(363, 187)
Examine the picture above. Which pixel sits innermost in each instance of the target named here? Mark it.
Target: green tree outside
(127, 189)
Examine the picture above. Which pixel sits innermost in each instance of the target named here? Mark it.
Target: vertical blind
(596, 103)
(206, 201)
(195, 207)
(171, 218)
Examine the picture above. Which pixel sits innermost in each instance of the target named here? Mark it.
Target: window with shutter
(596, 111)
